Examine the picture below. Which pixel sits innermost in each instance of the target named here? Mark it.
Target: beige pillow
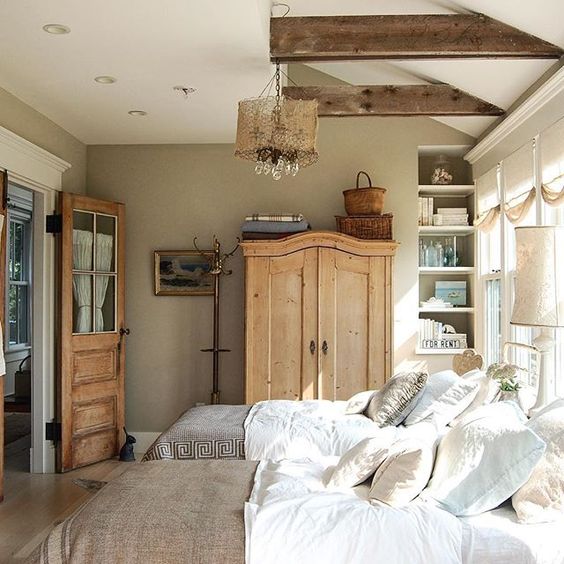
(406, 470)
(359, 402)
(362, 460)
(541, 498)
(394, 402)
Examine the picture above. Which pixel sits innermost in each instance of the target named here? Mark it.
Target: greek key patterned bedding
(209, 431)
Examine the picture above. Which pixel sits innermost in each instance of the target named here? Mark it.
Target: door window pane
(82, 303)
(82, 240)
(105, 303)
(105, 243)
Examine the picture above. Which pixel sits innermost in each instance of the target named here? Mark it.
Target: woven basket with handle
(364, 201)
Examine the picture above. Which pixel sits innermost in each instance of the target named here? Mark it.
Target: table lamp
(539, 294)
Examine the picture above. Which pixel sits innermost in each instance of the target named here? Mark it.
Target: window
(18, 269)
(517, 175)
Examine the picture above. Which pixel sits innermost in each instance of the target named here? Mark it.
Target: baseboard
(144, 441)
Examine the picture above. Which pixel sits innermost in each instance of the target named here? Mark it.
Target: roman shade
(552, 163)
(488, 204)
(518, 177)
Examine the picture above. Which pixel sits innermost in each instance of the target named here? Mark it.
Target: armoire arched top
(324, 239)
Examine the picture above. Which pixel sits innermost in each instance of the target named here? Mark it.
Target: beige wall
(28, 123)
(172, 193)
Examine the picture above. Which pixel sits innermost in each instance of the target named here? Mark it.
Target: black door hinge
(52, 431)
(54, 223)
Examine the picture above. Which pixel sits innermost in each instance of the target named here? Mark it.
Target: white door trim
(32, 167)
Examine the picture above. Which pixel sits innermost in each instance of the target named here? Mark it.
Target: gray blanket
(159, 513)
(210, 431)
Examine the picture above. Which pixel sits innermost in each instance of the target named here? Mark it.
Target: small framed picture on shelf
(451, 291)
(183, 273)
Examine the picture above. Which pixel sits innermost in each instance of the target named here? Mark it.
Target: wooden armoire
(318, 316)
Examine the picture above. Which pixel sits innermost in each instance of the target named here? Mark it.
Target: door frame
(34, 168)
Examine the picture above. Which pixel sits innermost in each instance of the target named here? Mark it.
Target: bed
(211, 511)
(272, 429)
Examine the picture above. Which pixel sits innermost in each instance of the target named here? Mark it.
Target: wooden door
(3, 227)
(281, 326)
(354, 324)
(92, 353)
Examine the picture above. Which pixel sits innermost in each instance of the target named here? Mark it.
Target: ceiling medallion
(277, 133)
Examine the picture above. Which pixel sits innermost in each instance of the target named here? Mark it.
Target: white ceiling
(221, 49)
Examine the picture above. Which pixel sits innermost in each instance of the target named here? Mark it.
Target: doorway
(17, 338)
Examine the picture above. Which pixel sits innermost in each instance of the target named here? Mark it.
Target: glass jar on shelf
(442, 173)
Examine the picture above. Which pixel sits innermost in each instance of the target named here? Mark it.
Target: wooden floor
(34, 503)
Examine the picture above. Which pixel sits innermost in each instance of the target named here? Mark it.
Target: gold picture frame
(183, 273)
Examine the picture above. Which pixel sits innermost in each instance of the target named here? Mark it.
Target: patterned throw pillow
(394, 402)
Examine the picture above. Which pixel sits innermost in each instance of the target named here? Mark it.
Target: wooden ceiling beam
(437, 36)
(410, 100)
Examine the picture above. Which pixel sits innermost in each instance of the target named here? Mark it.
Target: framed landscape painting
(183, 273)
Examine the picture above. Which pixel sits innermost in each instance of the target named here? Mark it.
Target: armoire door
(90, 387)
(281, 327)
(354, 297)
(3, 227)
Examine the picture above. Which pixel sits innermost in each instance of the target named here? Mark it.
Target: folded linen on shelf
(294, 217)
(275, 226)
(253, 236)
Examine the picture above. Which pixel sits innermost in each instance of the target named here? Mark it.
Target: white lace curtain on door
(82, 283)
(104, 246)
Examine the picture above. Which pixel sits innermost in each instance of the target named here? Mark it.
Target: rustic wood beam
(411, 100)
(440, 36)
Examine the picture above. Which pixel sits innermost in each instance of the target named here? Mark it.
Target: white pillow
(445, 396)
(488, 390)
(359, 402)
(362, 460)
(407, 468)
(541, 498)
(484, 460)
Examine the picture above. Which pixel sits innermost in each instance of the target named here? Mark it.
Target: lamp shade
(539, 282)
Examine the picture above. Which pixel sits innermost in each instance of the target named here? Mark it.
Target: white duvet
(279, 429)
(291, 517)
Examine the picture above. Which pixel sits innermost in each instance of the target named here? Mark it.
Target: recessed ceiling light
(137, 113)
(105, 79)
(56, 29)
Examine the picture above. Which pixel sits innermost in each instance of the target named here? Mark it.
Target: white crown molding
(551, 88)
(26, 160)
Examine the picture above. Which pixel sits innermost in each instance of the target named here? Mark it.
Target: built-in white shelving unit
(459, 194)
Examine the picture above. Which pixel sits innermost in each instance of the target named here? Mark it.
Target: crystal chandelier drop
(277, 133)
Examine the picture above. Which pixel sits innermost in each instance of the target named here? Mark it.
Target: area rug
(16, 426)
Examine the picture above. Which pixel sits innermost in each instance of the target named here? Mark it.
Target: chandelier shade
(279, 134)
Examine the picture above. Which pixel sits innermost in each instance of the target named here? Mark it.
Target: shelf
(446, 270)
(446, 190)
(446, 229)
(446, 310)
(438, 351)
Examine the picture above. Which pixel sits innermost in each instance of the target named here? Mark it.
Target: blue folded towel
(275, 226)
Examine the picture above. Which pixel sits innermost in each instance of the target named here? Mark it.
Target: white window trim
(32, 167)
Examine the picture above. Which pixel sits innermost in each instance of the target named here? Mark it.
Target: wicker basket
(364, 201)
(366, 227)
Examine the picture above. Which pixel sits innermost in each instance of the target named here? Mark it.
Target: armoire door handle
(312, 346)
(324, 347)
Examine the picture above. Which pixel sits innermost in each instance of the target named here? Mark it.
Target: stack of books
(431, 336)
(451, 216)
(273, 226)
(426, 211)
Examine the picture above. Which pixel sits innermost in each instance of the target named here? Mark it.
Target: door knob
(312, 347)
(325, 347)
(123, 331)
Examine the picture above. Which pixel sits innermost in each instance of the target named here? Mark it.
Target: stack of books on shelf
(432, 336)
(451, 216)
(273, 226)
(425, 211)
